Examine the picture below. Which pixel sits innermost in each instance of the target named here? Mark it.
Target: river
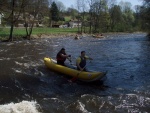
(27, 86)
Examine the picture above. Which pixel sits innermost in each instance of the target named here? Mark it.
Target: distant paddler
(76, 37)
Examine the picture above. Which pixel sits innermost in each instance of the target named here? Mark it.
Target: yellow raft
(81, 75)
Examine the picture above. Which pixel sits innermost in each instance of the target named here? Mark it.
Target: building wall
(1, 15)
(0, 18)
(74, 24)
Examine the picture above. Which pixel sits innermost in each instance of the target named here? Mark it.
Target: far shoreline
(61, 35)
(80, 35)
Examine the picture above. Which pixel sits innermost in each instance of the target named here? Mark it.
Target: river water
(27, 86)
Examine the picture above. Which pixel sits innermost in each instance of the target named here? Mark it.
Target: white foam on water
(9, 44)
(81, 107)
(18, 63)
(26, 65)
(6, 59)
(2, 58)
(1, 50)
(17, 70)
(22, 107)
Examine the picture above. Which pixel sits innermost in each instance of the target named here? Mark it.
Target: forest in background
(96, 16)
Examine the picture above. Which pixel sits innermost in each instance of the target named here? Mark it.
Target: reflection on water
(126, 57)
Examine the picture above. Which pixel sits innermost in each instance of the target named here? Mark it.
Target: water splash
(22, 107)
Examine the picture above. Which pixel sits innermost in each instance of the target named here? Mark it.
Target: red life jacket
(59, 57)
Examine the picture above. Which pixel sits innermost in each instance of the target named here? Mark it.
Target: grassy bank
(18, 32)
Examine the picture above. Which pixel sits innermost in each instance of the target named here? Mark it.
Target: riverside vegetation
(45, 32)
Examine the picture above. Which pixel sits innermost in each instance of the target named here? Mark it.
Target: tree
(33, 13)
(127, 16)
(115, 15)
(12, 10)
(72, 12)
(60, 6)
(91, 2)
(99, 15)
(61, 9)
(137, 22)
(28, 11)
(145, 16)
(54, 12)
(83, 12)
(79, 2)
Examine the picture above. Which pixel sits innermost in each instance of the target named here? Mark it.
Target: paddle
(75, 78)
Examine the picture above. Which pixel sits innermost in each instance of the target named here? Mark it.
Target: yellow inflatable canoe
(81, 75)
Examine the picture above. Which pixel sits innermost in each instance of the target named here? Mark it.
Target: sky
(68, 3)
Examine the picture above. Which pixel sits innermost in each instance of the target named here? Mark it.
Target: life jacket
(58, 57)
(83, 62)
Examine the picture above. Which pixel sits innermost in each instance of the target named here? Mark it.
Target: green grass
(54, 30)
(21, 31)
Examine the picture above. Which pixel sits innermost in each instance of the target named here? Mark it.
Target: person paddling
(62, 56)
(81, 61)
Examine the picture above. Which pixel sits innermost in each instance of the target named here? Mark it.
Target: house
(1, 15)
(63, 26)
(27, 21)
(74, 23)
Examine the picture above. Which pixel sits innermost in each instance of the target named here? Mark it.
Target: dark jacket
(60, 59)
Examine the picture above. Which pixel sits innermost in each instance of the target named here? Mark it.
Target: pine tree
(54, 12)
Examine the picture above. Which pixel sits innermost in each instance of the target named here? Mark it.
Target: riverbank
(37, 33)
(54, 35)
(43, 35)
(20, 33)
(37, 36)
(61, 35)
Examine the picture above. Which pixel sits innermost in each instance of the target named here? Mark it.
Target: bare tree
(50, 13)
(60, 6)
(111, 3)
(32, 12)
(115, 16)
(90, 2)
(79, 2)
(145, 16)
(83, 10)
(9, 8)
(16, 7)
(12, 20)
